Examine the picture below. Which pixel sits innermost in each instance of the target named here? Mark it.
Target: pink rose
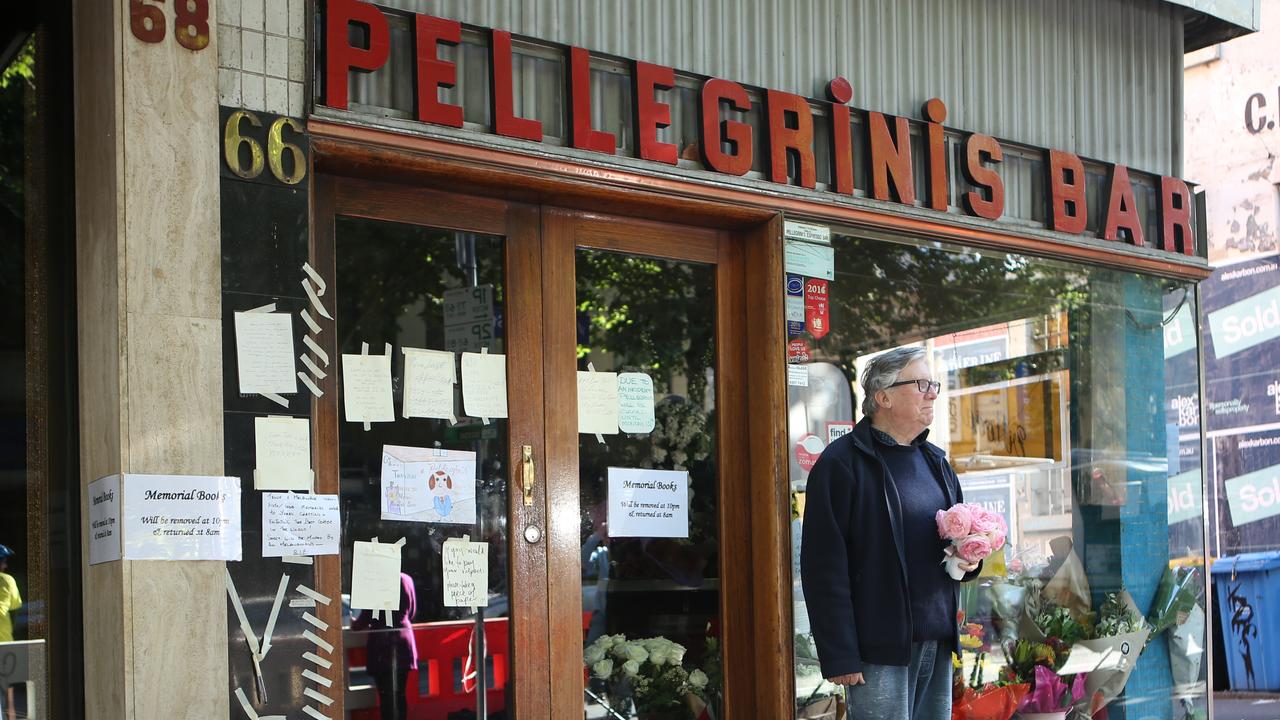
(974, 548)
(997, 539)
(986, 522)
(955, 523)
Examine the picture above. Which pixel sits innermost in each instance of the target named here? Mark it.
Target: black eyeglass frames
(923, 386)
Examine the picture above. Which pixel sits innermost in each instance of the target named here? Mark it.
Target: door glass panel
(650, 580)
(419, 287)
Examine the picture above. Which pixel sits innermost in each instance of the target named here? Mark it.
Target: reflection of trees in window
(653, 316)
(886, 295)
(399, 270)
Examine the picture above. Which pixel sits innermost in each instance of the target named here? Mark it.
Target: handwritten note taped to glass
(598, 403)
(648, 503)
(366, 388)
(429, 377)
(466, 573)
(375, 576)
(283, 449)
(264, 353)
(635, 403)
(428, 485)
(484, 385)
(299, 524)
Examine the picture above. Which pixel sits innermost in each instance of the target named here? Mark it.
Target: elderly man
(881, 606)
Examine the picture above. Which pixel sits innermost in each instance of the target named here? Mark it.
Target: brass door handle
(527, 471)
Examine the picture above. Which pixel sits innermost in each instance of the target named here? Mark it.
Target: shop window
(1058, 411)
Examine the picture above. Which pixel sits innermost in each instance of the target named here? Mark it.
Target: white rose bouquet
(649, 672)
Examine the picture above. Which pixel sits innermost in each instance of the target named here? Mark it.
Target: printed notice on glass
(180, 517)
(484, 385)
(299, 524)
(375, 576)
(104, 520)
(635, 403)
(429, 485)
(597, 403)
(283, 450)
(465, 566)
(810, 259)
(648, 503)
(429, 377)
(264, 353)
(366, 388)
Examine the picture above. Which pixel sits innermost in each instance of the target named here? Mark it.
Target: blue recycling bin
(1248, 597)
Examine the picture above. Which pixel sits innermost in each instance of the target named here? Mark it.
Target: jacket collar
(864, 440)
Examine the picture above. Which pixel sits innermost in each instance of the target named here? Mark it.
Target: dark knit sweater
(921, 494)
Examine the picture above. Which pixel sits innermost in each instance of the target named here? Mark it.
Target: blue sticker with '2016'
(795, 305)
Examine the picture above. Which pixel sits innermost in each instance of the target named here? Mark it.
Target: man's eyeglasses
(923, 386)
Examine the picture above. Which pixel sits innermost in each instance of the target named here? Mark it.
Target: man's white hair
(882, 372)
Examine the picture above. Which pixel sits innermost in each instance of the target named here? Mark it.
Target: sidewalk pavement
(1246, 706)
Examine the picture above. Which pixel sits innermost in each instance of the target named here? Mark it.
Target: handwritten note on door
(375, 576)
(428, 384)
(598, 403)
(283, 450)
(484, 385)
(366, 388)
(264, 353)
(299, 524)
(466, 573)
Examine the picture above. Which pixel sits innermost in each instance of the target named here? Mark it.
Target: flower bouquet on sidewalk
(973, 534)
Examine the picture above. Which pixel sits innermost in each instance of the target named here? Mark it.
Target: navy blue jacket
(852, 559)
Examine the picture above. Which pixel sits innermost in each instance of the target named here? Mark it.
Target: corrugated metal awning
(1213, 21)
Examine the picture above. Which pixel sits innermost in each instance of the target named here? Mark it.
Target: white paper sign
(299, 524)
(180, 517)
(366, 388)
(807, 232)
(466, 573)
(104, 520)
(283, 449)
(810, 259)
(484, 385)
(635, 403)
(264, 353)
(597, 403)
(429, 376)
(798, 375)
(648, 503)
(375, 576)
(428, 485)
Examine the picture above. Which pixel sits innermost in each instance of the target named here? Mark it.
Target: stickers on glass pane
(794, 306)
(817, 308)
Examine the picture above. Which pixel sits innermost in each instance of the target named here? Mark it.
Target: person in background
(881, 606)
(392, 652)
(10, 600)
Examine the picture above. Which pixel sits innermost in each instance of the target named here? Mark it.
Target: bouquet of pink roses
(974, 533)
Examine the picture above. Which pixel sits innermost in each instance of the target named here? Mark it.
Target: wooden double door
(617, 496)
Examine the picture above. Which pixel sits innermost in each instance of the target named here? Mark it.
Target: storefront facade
(571, 299)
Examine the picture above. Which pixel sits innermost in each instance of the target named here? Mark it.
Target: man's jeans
(920, 691)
